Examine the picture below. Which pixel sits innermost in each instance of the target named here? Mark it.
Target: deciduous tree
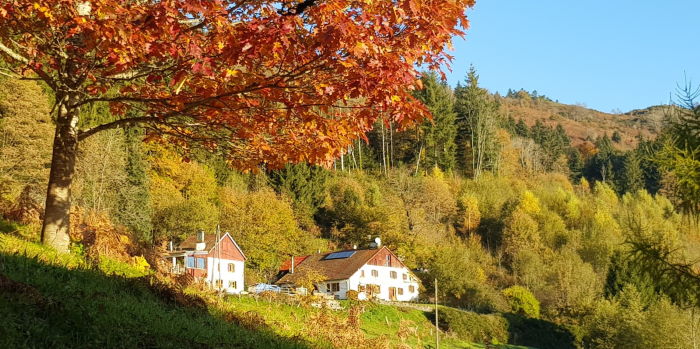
(268, 80)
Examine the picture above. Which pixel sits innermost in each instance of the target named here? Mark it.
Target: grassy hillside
(582, 123)
(60, 301)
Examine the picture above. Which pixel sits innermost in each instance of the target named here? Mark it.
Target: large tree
(477, 121)
(263, 81)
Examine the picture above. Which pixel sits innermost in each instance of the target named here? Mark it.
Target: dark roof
(331, 269)
(191, 242)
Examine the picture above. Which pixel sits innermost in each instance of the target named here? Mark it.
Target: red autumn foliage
(269, 81)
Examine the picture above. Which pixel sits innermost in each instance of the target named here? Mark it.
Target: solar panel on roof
(340, 255)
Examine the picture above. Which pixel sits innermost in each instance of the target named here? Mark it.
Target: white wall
(225, 276)
(383, 279)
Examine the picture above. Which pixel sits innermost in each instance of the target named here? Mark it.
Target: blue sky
(606, 54)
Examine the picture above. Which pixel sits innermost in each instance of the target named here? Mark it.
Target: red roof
(288, 263)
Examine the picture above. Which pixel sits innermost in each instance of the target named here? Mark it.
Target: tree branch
(16, 56)
(118, 123)
(298, 9)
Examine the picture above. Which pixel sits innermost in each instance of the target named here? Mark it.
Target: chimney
(291, 270)
(200, 236)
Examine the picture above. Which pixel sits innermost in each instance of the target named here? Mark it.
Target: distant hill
(582, 124)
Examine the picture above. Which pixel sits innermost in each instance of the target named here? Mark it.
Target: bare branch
(16, 56)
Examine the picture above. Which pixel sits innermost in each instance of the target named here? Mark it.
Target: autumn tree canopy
(266, 81)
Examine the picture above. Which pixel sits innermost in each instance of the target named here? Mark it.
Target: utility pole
(437, 329)
(218, 256)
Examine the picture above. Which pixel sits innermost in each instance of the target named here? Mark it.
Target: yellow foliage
(470, 214)
(530, 203)
(437, 173)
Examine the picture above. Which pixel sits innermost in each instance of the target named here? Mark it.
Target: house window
(375, 273)
(332, 287)
(201, 263)
(361, 288)
(388, 261)
(400, 290)
(219, 283)
(412, 289)
(189, 262)
(393, 274)
(405, 277)
(362, 273)
(231, 268)
(232, 284)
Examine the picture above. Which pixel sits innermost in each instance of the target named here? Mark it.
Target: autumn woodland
(305, 126)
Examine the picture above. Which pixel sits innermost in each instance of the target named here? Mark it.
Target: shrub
(474, 327)
(522, 301)
(352, 295)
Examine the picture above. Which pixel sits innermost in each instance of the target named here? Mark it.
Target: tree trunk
(56, 225)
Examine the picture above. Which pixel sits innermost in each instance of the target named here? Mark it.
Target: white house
(374, 273)
(220, 263)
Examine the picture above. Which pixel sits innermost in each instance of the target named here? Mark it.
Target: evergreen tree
(134, 209)
(633, 177)
(304, 184)
(438, 135)
(521, 129)
(477, 122)
(616, 137)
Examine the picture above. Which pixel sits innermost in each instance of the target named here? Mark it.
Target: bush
(474, 327)
(522, 301)
(352, 295)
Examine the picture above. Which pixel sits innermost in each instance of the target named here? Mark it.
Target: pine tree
(438, 135)
(633, 177)
(477, 122)
(134, 210)
(521, 129)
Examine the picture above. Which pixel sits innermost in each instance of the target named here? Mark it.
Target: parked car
(265, 287)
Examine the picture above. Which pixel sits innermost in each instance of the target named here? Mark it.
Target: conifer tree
(477, 121)
(439, 133)
(521, 129)
(633, 177)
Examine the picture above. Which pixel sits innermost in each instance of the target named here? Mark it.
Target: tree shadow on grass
(47, 306)
(538, 333)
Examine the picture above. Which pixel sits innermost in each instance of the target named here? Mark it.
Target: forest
(508, 218)
(305, 126)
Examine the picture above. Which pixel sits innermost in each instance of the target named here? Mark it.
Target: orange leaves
(271, 88)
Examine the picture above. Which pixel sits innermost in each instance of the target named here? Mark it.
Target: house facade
(373, 273)
(218, 262)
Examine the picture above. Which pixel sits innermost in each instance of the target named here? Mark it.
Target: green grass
(377, 321)
(48, 299)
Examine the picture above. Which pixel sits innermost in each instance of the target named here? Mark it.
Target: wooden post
(437, 329)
